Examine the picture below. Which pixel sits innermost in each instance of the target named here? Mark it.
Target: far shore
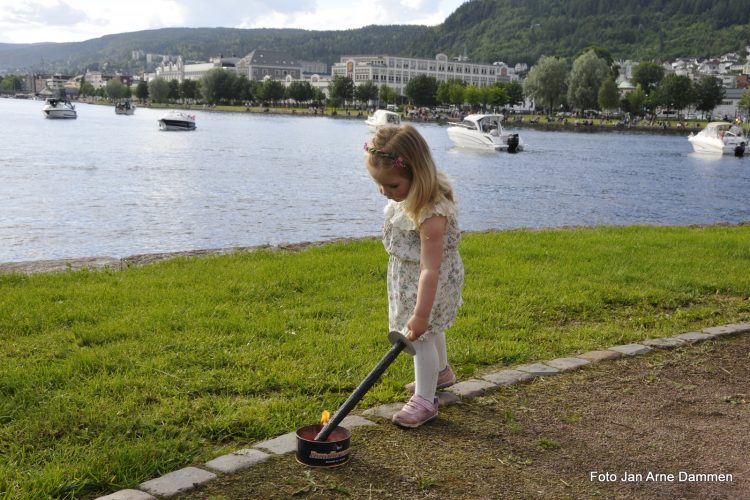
(670, 126)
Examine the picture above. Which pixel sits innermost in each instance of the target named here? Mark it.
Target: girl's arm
(431, 233)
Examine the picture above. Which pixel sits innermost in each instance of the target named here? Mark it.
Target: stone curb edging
(186, 479)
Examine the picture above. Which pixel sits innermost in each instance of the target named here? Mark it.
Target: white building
(396, 71)
(180, 71)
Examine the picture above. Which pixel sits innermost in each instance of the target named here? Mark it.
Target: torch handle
(361, 390)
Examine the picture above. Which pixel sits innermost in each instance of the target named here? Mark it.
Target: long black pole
(361, 390)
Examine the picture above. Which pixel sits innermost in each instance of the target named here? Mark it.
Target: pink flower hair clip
(398, 161)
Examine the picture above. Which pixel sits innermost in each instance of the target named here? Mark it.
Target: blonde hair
(428, 184)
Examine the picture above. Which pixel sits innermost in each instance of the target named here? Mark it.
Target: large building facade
(396, 71)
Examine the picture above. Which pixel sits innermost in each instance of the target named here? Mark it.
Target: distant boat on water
(55, 107)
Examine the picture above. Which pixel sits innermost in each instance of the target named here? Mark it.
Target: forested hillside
(521, 31)
(487, 30)
(114, 51)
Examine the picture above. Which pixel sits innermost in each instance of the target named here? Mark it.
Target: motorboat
(382, 118)
(484, 132)
(124, 107)
(177, 120)
(57, 107)
(719, 138)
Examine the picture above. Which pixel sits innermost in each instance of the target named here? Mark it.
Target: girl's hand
(417, 325)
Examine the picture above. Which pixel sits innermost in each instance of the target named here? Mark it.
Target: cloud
(29, 21)
(236, 13)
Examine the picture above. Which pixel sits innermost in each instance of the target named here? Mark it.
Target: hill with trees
(486, 30)
(115, 51)
(513, 31)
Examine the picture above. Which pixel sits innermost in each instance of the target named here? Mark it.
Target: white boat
(484, 132)
(124, 107)
(55, 107)
(382, 118)
(177, 120)
(719, 138)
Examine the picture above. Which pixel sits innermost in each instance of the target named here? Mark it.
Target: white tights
(431, 357)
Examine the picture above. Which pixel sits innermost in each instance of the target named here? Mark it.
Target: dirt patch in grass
(678, 412)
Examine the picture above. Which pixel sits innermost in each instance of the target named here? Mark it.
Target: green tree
(189, 89)
(634, 102)
(217, 85)
(158, 89)
(272, 91)
(86, 88)
(115, 89)
(586, 77)
(387, 94)
(675, 92)
(471, 95)
(648, 74)
(365, 92)
(12, 83)
(514, 91)
(341, 89)
(300, 91)
(608, 97)
(709, 93)
(744, 103)
(547, 82)
(457, 93)
(242, 89)
(421, 90)
(442, 94)
(174, 90)
(141, 91)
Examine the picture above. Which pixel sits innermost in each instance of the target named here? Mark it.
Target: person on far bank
(425, 271)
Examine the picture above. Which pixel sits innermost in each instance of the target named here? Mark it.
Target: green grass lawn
(111, 378)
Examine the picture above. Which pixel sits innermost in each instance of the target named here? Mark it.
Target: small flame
(325, 417)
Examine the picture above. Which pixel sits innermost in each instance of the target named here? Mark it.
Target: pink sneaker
(416, 412)
(446, 378)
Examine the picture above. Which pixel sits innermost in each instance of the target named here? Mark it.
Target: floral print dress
(402, 242)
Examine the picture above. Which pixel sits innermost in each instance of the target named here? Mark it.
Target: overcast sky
(30, 21)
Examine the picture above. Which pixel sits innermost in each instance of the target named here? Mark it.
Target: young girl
(425, 272)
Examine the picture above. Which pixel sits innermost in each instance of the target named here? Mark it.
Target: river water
(115, 185)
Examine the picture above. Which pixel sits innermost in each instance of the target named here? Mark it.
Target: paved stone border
(188, 478)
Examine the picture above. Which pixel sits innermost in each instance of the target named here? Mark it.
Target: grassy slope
(111, 378)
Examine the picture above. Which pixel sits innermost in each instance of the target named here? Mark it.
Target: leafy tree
(115, 89)
(158, 89)
(457, 93)
(471, 95)
(608, 97)
(13, 83)
(442, 95)
(421, 90)
(514, 91)
(300, 91)
(272, 91)
(365, 92)
(189, 89)
(634, 102)
(242, 89)
(648, 74)
(217, 85)
(341, 89)
(174, 90)
(387, 94)
(547, 82)
(141, 91)
(493, 95)
(709, 93)
(675, 92)
(86, 88)
(744, 103)
(586, 77)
